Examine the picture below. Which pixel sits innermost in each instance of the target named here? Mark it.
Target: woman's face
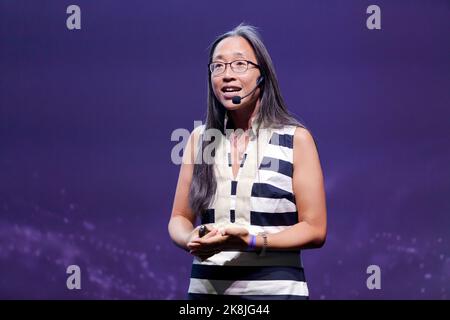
(229, 83)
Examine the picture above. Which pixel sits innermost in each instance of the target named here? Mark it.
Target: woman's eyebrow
(236, 54)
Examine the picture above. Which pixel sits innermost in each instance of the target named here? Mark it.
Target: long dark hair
(272, 112)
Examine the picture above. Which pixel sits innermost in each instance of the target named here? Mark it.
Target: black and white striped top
(261, 198)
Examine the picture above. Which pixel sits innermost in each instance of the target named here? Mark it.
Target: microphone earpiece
(260, 80)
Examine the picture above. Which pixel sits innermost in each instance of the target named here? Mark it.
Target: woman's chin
(233, 107)
(229, 105)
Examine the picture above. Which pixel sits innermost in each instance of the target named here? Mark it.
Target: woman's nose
(228, 73)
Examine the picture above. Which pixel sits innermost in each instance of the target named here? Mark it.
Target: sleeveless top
(260, 199)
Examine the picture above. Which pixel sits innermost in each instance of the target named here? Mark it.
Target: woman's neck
(242, 117)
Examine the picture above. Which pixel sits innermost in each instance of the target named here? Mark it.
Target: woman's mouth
(230, 91)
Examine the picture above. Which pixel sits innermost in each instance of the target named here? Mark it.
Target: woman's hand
(230, 238)
(206, 246)
(238, 237)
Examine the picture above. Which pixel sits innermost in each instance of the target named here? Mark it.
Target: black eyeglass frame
(226, 63)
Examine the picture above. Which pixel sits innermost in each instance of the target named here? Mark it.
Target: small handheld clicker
(202, 231)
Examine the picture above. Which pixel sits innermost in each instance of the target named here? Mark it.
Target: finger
(235, 231)
(218, 239)
(193, 245)
(230, 231)
(209, 239)
(210, 234)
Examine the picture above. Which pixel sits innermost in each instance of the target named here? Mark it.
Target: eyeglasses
(238, 66)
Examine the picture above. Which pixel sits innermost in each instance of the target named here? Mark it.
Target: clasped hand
(216, 240)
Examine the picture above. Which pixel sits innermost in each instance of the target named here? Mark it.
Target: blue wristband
(252, 243)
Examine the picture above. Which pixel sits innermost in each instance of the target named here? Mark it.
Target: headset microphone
(237, 99)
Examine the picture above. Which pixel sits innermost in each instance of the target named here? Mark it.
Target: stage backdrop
(89, 99)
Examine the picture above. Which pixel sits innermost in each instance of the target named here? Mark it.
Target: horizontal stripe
(284, 140)
(247, 273)
(265, 190)
(263, 287)
(233, 187)
(272, 205)
(273, 219)
(242, 258)
(276, 165)
(275, 179)
(222, 297)
(208, 216)
(279, 152)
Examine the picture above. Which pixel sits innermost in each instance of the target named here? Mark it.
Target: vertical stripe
(243, 160)
(233, 187)
(230, 163)
(208, 216)
(232, 216)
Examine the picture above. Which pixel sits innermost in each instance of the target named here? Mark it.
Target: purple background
(86, 117)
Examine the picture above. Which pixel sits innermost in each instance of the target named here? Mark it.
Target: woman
(261, 200)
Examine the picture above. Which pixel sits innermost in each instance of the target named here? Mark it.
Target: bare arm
(308, 187)
(182, 220)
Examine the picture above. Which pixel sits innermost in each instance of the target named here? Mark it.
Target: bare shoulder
(303, 139)
(307, 167)
(305, 152)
